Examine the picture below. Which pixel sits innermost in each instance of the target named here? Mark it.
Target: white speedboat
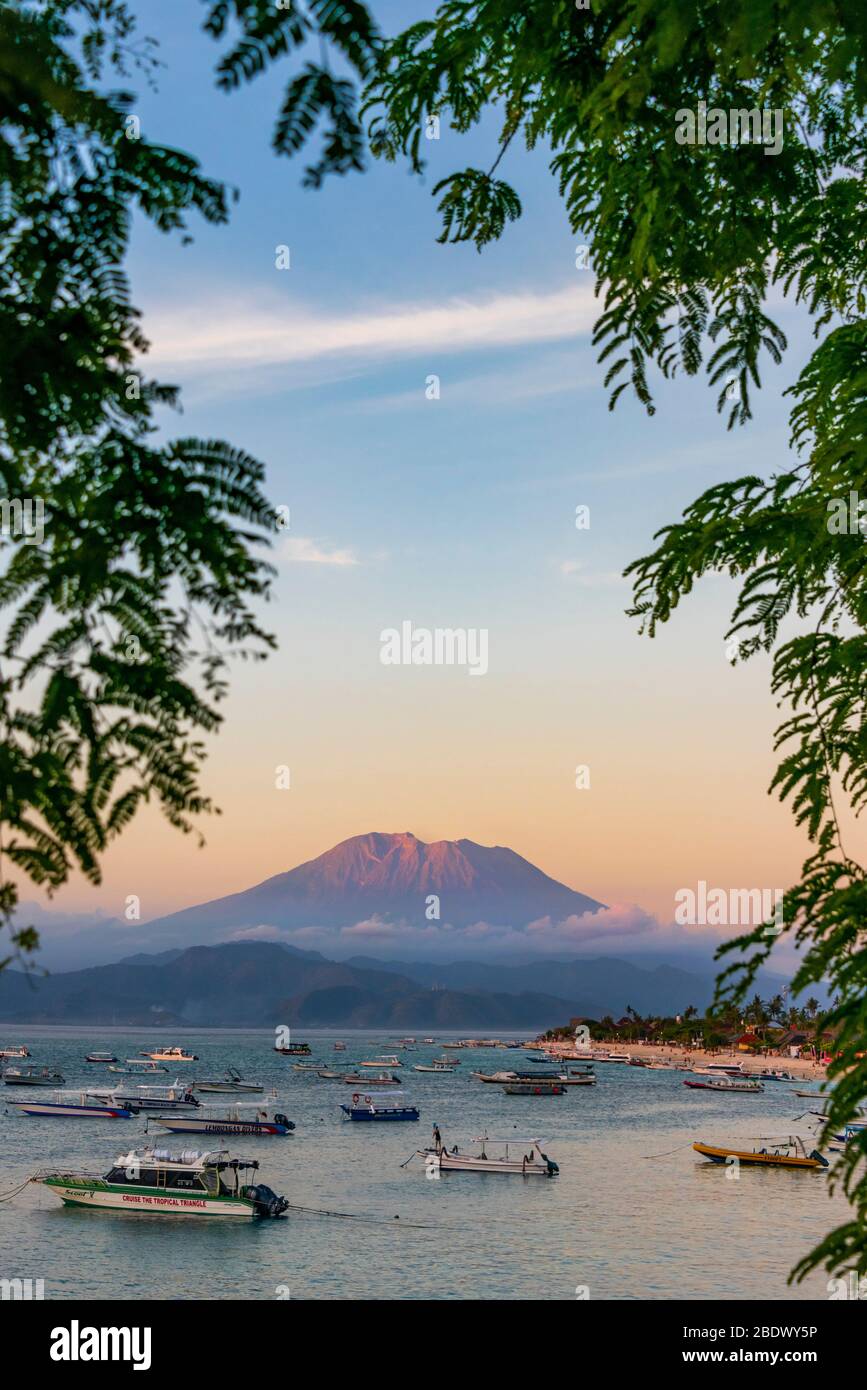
(156, 1182)
(246, 1119)
(231, 1084)
(71, 1106)
(177, 1097)
(32, 1076)
(374, 1082)
(523, 1157)
(448, 1067)
(14, 1052)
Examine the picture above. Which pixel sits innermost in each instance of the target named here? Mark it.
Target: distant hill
(382, 877)
(260, 984)
(595, 985)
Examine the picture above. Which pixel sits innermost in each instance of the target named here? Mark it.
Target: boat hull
(763, 1160)
(57, 1110)
(146, 1201)
(365, 1113)
(54, 1081)
(736, 1088)
(191, 1124)
(472, 1163)
(215, 1088)
(517, 1088)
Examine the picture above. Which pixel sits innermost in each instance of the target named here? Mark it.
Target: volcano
(393, 878)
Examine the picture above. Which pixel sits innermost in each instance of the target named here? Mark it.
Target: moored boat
(156, 1182)
(177, 1097)
(436, 1067)
(386, 1079)
(530, 1163)
(32, 1076)
(234, 1122)
(295, 1050)
(376, 1107)
(66, 1107)
(388, 1060)
(534, 1088)
(851, 1131)
(727, 1084)
(14, 1052)
(100, 1057)
(499, 1078)
(790, 1152)
(231, 1084)
(170, 1054)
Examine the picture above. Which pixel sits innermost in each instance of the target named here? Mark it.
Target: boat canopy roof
(509, 1139)
(186, 1158)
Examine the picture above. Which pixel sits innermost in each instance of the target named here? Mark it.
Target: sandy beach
(805, 1067)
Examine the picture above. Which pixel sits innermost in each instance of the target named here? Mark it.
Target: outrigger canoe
(786, 1153)
(532, 1163)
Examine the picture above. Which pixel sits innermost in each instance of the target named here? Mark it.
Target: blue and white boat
(373, 1106)
(71, 1106)
(260, 1122)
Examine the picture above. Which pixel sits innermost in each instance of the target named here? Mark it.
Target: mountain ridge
(391, 877)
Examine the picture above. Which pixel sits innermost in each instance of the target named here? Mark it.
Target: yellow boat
(785, 1153)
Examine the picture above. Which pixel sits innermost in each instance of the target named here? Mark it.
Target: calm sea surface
(626, 1218)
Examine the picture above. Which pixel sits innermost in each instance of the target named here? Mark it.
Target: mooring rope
(687, 1145)
(355, 1216)
(6, 1196)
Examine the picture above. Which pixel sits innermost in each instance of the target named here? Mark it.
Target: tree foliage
(127, 568)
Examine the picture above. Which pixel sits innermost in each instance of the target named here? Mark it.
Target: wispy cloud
(577, 571)
(235, 334)
(304, 550)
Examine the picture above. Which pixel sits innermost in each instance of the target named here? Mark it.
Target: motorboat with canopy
(244, 1118)
(161, 1182)
(373, 1106)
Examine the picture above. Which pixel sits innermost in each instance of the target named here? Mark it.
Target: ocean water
(634, 1214)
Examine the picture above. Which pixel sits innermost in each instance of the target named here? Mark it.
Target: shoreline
(804, 1067)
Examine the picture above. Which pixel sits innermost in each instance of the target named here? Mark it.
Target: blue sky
(455, 512)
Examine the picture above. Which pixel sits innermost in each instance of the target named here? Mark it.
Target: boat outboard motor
(283, 1120)
(266, 1202)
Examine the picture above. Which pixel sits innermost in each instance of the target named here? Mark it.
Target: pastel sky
(456, 512)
